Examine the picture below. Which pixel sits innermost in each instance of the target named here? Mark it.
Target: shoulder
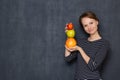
(105, 43)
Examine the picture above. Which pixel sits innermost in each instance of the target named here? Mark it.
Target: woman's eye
(91, 22)
(85, 25)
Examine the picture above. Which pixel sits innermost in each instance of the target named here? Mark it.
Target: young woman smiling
(90, 52)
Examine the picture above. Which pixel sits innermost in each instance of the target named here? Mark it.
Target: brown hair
(88, 14)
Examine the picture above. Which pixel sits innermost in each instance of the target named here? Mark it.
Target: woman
(90, 52)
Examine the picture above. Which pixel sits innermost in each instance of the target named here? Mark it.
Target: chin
(91, 33)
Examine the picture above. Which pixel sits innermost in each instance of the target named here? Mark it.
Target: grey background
(32, 37)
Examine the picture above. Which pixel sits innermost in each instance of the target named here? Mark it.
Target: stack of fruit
(70, 32)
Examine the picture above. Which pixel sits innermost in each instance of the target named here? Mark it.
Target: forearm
(69, 56)
(84, 55)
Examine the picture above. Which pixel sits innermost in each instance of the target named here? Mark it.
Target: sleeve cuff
(91, 64)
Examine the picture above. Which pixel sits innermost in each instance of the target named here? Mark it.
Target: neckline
(94, 40)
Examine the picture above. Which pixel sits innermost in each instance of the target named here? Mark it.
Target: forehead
(87, 20)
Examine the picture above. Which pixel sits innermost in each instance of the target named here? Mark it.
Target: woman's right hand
(66, 28)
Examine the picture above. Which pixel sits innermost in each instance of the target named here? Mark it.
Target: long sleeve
(96, 61)
(97, 51)
(72, 56)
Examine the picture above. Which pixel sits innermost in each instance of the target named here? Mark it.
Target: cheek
(95, 28)
(86, 29)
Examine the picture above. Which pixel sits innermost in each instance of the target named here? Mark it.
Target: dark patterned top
(97, 51)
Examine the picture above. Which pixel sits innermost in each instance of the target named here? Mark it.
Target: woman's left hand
(73, 48)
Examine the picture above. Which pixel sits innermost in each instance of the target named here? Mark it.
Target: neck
(94, 36)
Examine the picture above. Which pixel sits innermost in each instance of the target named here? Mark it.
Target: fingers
(67, 48)
(66, 28)
(71, 49)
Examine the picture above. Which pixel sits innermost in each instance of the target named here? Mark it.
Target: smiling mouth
(90, 30)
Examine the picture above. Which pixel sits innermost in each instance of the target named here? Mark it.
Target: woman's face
(90, 25)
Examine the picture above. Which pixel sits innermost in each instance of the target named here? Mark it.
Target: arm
(84, 55)
(93, 62)
(81, 51)
(96, 61)
(70, 55)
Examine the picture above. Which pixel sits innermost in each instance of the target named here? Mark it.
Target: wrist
(67, 53)
(79, 48)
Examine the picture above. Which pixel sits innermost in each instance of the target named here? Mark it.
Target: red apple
(69, 26)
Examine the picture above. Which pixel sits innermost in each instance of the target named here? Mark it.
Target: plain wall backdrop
(32, 37)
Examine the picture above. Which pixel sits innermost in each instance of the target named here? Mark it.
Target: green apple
(70, 33)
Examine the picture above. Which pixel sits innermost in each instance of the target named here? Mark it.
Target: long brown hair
(88, 14)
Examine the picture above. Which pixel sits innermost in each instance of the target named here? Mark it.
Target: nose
(89, 27)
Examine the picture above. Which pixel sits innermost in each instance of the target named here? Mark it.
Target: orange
(71, 42)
